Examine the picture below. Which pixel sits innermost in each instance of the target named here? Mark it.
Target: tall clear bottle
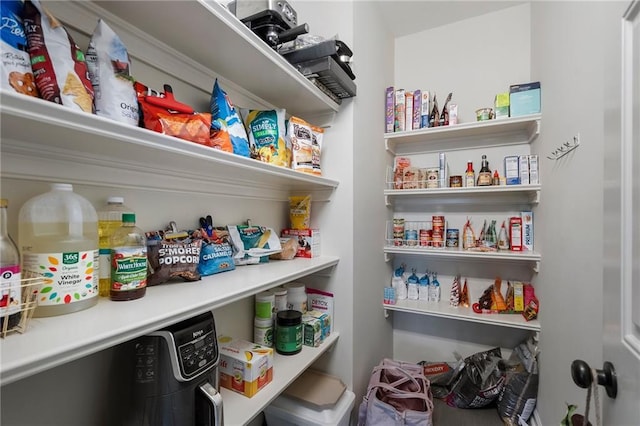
(128, 261)
(109, 219)
(9, 274)
(58, 239)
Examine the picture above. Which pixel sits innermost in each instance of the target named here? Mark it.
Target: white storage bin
(289, 411)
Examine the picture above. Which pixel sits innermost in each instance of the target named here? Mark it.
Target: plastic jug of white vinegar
(58, 240)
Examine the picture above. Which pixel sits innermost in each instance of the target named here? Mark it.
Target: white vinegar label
(68, 277)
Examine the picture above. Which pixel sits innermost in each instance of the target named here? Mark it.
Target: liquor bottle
(9, 274)
(484, 176)
(469, 175)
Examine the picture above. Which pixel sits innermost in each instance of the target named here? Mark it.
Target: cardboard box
(534, 177)
(321, 301)
(244, 367)
(511, 169)
(501, 107)
(523, 168)
(524, 99)
(424, 109)
(308, 241)
(324, 321)
(311, 330)
(416, 109)
(408, 111)
(389, 110)
(399, 116)
(527, 230)
(515, 233)
(518, 296)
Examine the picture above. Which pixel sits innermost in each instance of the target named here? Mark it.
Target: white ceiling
(408, 17)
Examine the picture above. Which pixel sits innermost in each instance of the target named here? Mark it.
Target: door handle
(582, 376)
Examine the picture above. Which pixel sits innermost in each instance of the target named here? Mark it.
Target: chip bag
(58, 64)
(161, 113)
(172, 256)
(253, 244)
(108, 63)
(226, 123)
(15, 64)
(266, 131)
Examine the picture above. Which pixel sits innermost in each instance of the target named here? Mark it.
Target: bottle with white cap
(58, 239)
(109, 219)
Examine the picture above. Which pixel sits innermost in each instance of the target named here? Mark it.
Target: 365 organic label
(68, 277)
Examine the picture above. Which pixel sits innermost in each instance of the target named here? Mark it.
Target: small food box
(308, 241)
(311, 330)
(524, 99)
(245, 367)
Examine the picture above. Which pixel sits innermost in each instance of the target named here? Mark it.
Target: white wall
(569, 41)
(475, 59)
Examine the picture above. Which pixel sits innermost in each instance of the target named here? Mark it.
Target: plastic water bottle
(11, 295)
(109, 219)
(58, 239)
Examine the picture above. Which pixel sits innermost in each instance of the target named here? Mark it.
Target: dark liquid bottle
(128, 261)
(484, 176)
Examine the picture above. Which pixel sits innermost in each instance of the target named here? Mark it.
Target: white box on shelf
(524, 169)
(527, 230)
(534, 177)
(511, 172)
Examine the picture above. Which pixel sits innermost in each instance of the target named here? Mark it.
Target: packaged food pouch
(301, 139)
(225, 118)
(300, 211)
(170, 258)
(480, 381)
(161, 113)
(109, 70)
(266, 132)
(253, 244)
(57, 63)
(317, 139)
(216, 254)
(15, 64)
(219, 137)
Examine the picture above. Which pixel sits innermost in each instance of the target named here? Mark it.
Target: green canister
(288, 332)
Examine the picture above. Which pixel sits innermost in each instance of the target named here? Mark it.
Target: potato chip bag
(109, 66)
(15, 64)
(225, 119)
(266, 132)
(58, 64)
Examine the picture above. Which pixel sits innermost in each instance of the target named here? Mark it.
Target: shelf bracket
(535, 199)
(387, 201)
(388, 257)
(536, 267)
(386, 313)
(534, 134)
(389, 147)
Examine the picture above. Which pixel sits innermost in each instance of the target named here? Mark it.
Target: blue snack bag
(223, 109)
(216, 255)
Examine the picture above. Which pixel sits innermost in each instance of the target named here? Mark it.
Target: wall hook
(565, 148)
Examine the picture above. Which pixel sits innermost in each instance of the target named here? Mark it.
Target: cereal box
(399, 124)
(322, 302)
(389, 110)
(308, 241)
(408, 111)
(245, 367)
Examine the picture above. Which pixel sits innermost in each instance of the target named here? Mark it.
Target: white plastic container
(265, 304)
(287, 411)
(58, 238)
(263, 331)
(296, 296)
(280, 294)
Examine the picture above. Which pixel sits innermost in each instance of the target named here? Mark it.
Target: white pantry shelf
(480, 134)
(509, 194)
(240, 410)
(444, 310)
(49, 342)
(49, 142)
(526, 256)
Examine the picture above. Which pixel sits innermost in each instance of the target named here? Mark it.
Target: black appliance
(274, 21)
(175, 376)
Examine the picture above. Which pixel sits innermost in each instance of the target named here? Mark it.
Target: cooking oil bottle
(128, 261)
(58, 239)
(109, 219)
